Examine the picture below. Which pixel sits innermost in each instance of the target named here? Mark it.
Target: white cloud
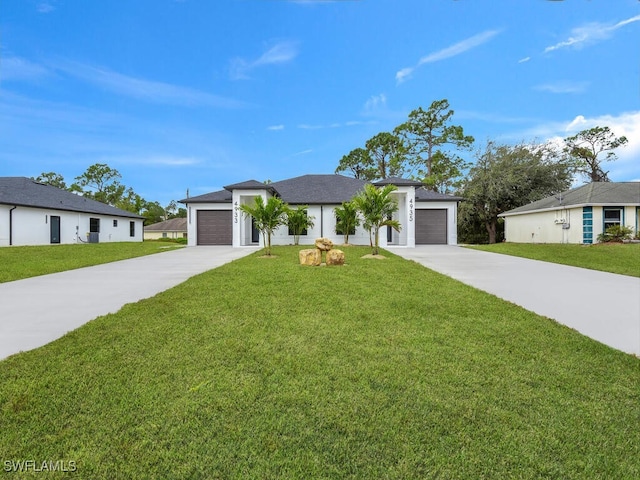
(626, 168)
(448, 52)
(590, 33)
(45, 7)
(15, 68)
(563, 87)
(524, 60)
(279, 53)
(375, 102)
(275, 127)
(146, 90)
(303, 152)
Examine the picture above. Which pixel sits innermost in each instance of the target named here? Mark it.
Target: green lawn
(607, 257)
(266, 369)
(25, 262)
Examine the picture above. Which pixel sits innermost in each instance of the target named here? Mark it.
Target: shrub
(616, 233)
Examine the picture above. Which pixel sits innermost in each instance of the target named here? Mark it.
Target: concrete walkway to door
(38, 310)
(600, 305)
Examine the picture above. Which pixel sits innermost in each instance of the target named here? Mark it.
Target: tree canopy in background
(102, 183)
(432, 143)
(585, 149)
(423, 148)
(506, 177)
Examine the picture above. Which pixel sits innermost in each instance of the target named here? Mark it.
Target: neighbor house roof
(171, 225)
(317, 190)
(24, 192)
(596, 193)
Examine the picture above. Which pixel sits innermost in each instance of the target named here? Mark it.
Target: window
(115, 223)
(164, 234)
(612, 216)
(94, 225)
(132, 229)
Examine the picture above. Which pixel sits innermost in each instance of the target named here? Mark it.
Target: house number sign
(411, 209)
(235, 212)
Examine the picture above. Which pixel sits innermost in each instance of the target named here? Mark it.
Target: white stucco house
(426, 217)
(576, 216)
(33, 213)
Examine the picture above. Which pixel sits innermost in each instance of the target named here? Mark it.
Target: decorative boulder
(335, 257)
(324, 244)
(310, 256)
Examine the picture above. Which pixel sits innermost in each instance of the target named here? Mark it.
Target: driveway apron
(38, 310)
(603, 306)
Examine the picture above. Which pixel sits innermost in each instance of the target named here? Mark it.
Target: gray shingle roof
(424, 195)
(398, 182)
(596, 193)
(171, 225)
(248, 185)
(221, 196)
(23, 191)
(317, 190)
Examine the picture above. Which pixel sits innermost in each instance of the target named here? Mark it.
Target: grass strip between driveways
(263, 368)
(618, 258)
(17, 263)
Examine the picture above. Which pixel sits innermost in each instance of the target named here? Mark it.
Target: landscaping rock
(335, 257)
(310, 256)
(324, 244)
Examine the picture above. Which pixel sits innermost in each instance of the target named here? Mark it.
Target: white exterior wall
(452, 217)
(556, 226)
(192, 215)
(324, 225)
(157, 234)
(562, 225)
(31, 226)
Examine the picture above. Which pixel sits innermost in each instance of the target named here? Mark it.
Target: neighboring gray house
(172, 228)
(214, 218)
(33, 213)
(576, 216)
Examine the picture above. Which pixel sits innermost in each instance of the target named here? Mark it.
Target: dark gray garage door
(431, 227)
(214, 227)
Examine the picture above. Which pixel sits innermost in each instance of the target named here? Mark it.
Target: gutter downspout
(11, 224)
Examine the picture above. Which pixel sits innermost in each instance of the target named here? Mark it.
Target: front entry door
(55, 229)
(255, 233)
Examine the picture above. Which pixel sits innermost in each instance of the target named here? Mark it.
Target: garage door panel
(214, 227)
(431, 227)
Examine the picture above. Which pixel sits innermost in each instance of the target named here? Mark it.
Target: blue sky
(196, 94)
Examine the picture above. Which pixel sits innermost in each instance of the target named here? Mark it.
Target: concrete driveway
(38, 310)
(603, 306)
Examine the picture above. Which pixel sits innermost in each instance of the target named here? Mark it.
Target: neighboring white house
(32, 213)
(214, 218)
(576, 216)
(173, 228)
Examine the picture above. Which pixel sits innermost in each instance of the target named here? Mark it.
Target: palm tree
(376, 205)
(299, 221)
(267, 217)
(346, 219)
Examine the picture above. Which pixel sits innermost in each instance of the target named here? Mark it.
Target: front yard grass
(618, 258)
(266, 369)
(24, 262)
